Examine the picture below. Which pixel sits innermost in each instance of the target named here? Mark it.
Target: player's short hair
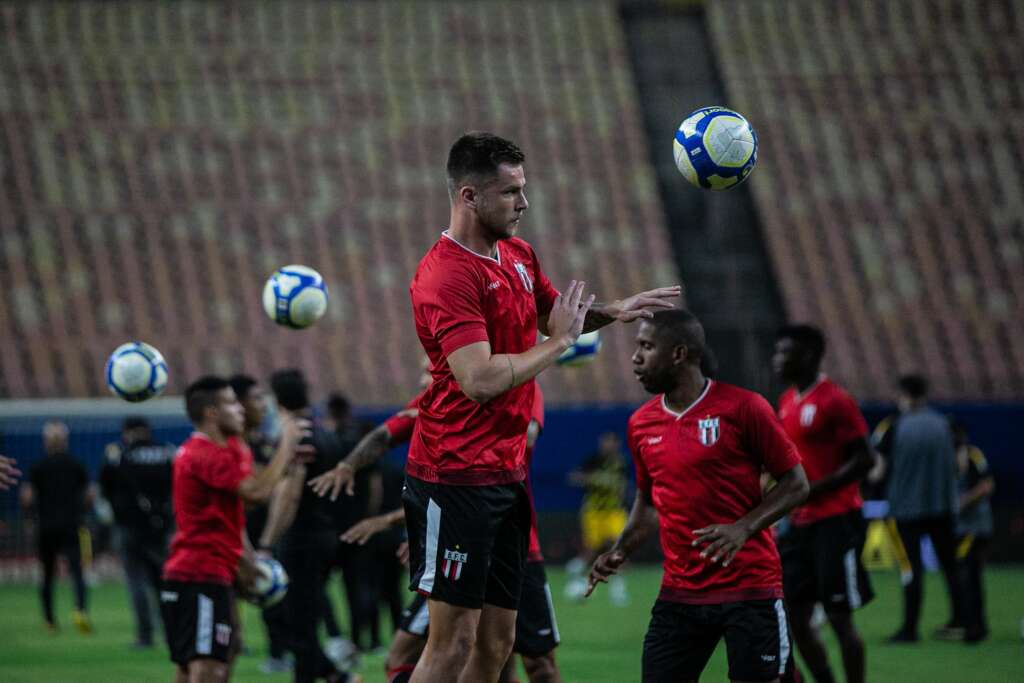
(708, 363)
(914, 386)
(338, 406)
(242, 384)
(290, 389)
(134, 422)
(679, 327)
(476, 157)
(202, 394)
(807, 337)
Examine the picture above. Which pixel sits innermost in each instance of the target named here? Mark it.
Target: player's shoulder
(517, 246)
(835, 391)
(732, 396)
(446, 262)
(649, 411)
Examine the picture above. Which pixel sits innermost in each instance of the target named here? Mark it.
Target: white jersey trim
(664, 403)
(489, 258)
(426, 584)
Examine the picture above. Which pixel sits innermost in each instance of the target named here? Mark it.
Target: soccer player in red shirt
(213, 476)
(821, 549)
(479, 297)
(699, 448)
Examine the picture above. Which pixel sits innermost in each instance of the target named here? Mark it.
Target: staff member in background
(922, 497)
(136, 480)
(58, 488)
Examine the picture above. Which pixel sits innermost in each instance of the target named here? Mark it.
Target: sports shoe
(949, 632)
(81, 621)
(342, 651)
(276, 665)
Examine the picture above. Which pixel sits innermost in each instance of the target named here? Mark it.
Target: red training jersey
(703, 467)
(822, 422)
(208, 511)
(533, 554)
(400, 426)
(459, 298)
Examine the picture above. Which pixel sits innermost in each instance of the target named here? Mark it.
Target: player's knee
(405, 649)
(495, 647)
(542, 668)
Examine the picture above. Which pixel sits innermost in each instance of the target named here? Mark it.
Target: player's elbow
(801, 487)
(479, 390)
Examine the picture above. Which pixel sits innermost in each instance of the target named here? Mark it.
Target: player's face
(786, 360)
(653, 361)
(230, 413)
(501, 202)
(255, 405)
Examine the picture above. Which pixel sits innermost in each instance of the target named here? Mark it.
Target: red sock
(400, 674)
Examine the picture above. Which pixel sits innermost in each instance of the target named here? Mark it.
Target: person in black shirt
(136, 480)
(304, 524)
(58, 488)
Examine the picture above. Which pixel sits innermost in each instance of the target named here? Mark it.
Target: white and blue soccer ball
(271, 582)
(582, 351)
(295, 296)
(715, 148)
(136, 371)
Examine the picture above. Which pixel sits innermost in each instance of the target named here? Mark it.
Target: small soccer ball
(271, 582)
(136, 371)
(582, 351)
(715, 148)
(295, 296)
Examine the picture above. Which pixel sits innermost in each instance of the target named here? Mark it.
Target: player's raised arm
(483, 375)
(636, 307)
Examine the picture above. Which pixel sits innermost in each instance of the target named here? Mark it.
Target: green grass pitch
(600, 643)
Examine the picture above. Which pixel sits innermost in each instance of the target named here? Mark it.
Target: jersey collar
(677, 416)
(497, 250)
(817, 383)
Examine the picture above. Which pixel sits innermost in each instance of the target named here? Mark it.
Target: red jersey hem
(193, 577)
(465, 477)
(699, 597)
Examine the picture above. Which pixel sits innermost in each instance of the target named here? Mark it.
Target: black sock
(823, 676)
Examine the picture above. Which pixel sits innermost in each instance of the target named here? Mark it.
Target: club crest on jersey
(524, 275)
(807, 414)
(708, 430)
(452, 565)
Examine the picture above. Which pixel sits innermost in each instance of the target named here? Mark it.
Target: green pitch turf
(600, 643)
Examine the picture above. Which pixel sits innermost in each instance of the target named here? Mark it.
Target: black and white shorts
(467, 544)
(821, 563)
(682, 637)
(536, 629)
(198, 620)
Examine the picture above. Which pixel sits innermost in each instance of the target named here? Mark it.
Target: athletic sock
(823, 676)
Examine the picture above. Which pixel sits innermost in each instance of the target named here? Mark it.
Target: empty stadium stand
(159, 160)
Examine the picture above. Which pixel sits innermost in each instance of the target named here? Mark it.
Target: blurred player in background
(974, 528)
(253, 398)
(699, 447)
(821, 549)
(136, 480)
(58, 488)
(479, 297)
(602, 516)
(9, 472)
(213, 477)
(923, 500)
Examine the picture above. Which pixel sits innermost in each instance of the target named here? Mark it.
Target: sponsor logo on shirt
(654, 439)
(494, 285)
(452, 566)
(767, 658)
(708, 431)
(807, 414)
(524, 275)
(168, 596)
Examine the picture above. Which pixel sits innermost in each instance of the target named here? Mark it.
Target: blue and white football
(271, 582)
(295, 296)
(715, 148)
(136, 371)
(582, 351)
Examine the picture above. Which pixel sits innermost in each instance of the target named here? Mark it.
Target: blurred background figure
(602, 516)
(136, 481)
(58, 490)
(975, 485)
(9, 473)
(922, 498)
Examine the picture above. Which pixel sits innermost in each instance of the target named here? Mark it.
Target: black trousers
(143, 559)
(52, 543)
(971, 567)
(361, 592)
(391, 577)
(307, 559)
(941, 532)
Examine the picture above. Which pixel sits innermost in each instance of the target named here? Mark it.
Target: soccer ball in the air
(295, 296)
(136, 371)
(271, 582)
(583, 349)
(715, 148)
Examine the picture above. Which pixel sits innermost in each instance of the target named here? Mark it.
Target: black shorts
(681, 639)
(467, 544)
(536, 629)
(198, 620)
(821, 563)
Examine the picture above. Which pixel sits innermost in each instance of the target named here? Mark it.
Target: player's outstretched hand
(724, 541)
(644, 304)
(605, 565)
(9, 472)
(364, 530)
(333, 480)
(569, 311)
